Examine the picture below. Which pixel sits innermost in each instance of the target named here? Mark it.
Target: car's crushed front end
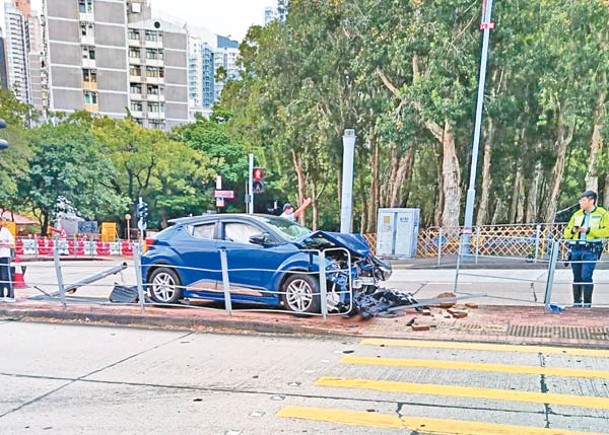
(351, 268)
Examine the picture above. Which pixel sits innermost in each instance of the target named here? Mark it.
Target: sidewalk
(492, 324)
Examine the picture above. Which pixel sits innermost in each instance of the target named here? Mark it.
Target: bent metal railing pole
(323, 289)
(225, 282)
(58, 272)
(458, 265)
(137, 263)
(551, 269)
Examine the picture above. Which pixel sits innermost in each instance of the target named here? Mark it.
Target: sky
(224, 17)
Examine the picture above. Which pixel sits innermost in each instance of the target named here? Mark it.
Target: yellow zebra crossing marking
(480, 367)
(470, 392)
(485, 347)
(421, 424)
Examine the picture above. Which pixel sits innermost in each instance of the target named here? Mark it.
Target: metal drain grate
(476, 328)
(558, 332)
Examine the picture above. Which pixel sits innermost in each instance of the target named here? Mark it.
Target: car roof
(209, 217)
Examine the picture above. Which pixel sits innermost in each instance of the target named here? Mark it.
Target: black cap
(589, 194)
(286, 206)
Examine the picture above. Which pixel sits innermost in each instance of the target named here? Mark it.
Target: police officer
(587, 227)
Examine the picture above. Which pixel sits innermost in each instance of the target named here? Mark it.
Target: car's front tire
(164, 286)
(301, 294)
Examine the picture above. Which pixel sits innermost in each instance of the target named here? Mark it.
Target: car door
(201, 257)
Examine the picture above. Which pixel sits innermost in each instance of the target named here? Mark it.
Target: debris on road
(446, 295)
(457, 314)
(381, 301)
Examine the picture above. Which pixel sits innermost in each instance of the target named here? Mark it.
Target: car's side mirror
(261, 239)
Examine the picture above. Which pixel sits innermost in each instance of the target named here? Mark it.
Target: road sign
(225, 194)
(220, 202)
(440, 242)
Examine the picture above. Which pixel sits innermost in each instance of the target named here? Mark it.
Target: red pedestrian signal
(258, 178)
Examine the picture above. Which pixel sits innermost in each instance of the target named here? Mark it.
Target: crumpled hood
(355, 243)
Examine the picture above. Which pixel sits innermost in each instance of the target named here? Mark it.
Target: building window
(86, 29)
(134, 52)
(157, 124)
(154, 90)
(134, 35)
(89, 75)
(85, 6)
(156, 107)
(136, 106)
(88, 53)
(136, 88)
(135, 70)
(154, 54)
(152, 36)
(90, 97)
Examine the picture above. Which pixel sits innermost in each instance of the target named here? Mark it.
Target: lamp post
(346, 203)
(486, 26)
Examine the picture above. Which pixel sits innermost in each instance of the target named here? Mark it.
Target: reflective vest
(598, 224)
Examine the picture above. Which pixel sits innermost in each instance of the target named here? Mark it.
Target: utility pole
(486, 26)
(346, 203)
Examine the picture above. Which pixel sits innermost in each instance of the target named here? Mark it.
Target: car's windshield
(289, 230)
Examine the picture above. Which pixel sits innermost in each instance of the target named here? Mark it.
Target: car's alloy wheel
(301, 294)
(164, 285)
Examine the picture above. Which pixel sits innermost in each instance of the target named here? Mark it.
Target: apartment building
(86, 49)
(225, 58)
(16, 51)
(3, 75)
(158, 73)
(113, 58)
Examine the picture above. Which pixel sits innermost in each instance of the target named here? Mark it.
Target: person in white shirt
(290, 214)
(7, 242)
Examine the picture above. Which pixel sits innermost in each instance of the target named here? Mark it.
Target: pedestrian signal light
(258, 177)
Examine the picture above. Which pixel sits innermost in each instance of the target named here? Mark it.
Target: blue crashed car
(270, 261)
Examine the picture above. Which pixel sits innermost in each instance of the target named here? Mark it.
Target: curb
(154, 321)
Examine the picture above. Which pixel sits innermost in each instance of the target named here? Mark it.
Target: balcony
(153, 97)
(137, 113)
(156, 115)
(136, 97)
(88, 63)
(87, 39)
(86, 16)
(135, 60)
(137, 78)
(93, 108)
(89, 86)
(155, 80)
(154, 44)
(155, 62)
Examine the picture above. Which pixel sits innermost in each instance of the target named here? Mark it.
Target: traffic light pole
(250, 186)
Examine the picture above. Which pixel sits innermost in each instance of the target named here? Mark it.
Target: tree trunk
(515, 196)
(297, 161)
(314, 224)
(497, 212)
(532, 209)
(564, 137)
(404, 168)
(486, 175)
(451, 179)
(440, 199)
(596, 143)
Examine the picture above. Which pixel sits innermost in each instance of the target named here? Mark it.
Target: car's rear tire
(164, 286)
(301, 294)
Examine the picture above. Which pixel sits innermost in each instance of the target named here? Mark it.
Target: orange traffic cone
(19, 281)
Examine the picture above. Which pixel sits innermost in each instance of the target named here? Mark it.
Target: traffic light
(142, 214)
(258, 177)
(3, 143)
